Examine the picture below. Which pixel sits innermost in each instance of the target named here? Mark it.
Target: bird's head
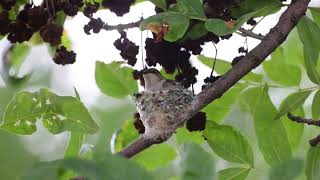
(151, 75)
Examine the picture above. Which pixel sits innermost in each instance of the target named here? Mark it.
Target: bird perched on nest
(154, 81)
(162, 105)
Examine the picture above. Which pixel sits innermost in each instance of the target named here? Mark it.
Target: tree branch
(303, 120)
(314, 141)
(254, 58)
(245, 33)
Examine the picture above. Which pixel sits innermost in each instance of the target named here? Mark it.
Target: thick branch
(272, 40)
(245, 33)
(303, 120)
(137, 146)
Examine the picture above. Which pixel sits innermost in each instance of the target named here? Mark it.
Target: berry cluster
(119, 7)
(63, 56)
(129, 50)
(172, 57)
(138, 123)
(31, 19)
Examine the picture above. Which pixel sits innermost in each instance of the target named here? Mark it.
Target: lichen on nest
(161, 111)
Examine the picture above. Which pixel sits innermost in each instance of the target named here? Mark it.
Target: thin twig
(121, 27)
(248, 33)
(215, 59)
(303, 120)
(315, 141)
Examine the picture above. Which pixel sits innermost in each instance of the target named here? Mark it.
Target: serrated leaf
(288, 169)
(58, 114)
(312, 168)
(234, 173)
(219, 108)
(196, 163)
(229, 144)
(160, 3)
(192, 8)
(281, 72)
(220, 27)
(292, 102)
(272, 138)
(177, 22)
(223, 66)
(164, 155)
(316, 106)
(115, 81)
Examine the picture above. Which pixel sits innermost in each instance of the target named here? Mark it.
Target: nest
(162, 112)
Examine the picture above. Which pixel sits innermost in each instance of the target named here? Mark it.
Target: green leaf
(160, 3)
(316, 106)
(312, 169)
(292, 102)
(223, 66)
(121, 168)
(310, 59)
(74, 146)
(60, 18)
(156, 156)
(183, 135)
(219, 27)
(58, 114)
(238, 173)
(281, 72)
(309, 35)
(315, 14)
(219, 108)
(293, 49)
(65, 40)
(196, 31)
(196, 163)
(115, 81)
(53, 170)
(17, 55)
(272, 138)
(248, 99)
(125, 136)
(308, 32)
(288, 169)
(177, 22)
(192, 8)
(265, 7)
(228, 143)
(294, 130)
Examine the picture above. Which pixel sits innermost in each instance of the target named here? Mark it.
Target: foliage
(226, 149)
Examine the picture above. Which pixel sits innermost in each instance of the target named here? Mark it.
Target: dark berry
(252, 22)
(19, 32)
(95, 25)
(37, 17)
(119, 7)
(90, 9)
(138, 123)
(197, 122)
(63, 57)
(51, 33)
(243, 50)
(4, 23)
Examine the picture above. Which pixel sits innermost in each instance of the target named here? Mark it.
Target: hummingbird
(154, 81)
